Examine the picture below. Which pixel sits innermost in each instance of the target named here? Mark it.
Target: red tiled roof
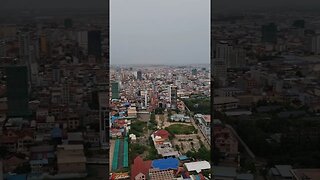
(162, 133)
(201, 177)
(120, 121)
(14, 160)
(140, 166)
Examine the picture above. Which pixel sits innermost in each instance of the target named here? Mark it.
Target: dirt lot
(185, 142)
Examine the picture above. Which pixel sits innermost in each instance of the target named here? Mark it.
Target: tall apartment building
(115, 90)
(94, 43)
(173, 94)
(269, 33)
(17, 91)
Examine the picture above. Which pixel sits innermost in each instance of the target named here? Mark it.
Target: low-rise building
(180, 118)
(204, 122)
(225, 103)
(156, 174)
(197, 166)
(71, 159)
(280, 172)
(225, 140)
(140, 169)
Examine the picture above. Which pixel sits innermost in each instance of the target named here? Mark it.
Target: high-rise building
(68, 23)
(43, 44)
(219, 71)
(269, 33)
(234, 56)
(94, 43)
(17, 91)
(82, 39)
(2, 48)
(24, 46)
(139, 75)
(146, 99)
(224, 51)
(115, 89)
(194, 72)
(173, 93)
(238, 58)
(315, 43)
(56, 73)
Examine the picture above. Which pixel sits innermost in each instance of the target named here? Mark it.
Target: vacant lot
(185, 143)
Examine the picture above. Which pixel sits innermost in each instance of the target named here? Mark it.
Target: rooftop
(223, 100)
(165, 164)
(197, 166)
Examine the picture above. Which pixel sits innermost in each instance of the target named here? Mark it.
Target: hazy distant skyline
(40, 4)
(242, 5)
(159, 31)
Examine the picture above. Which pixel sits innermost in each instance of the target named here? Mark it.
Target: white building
(180, 118)
(204, 122)
(197, 166)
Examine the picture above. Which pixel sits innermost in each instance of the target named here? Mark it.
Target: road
(248, 150)
(200, 134)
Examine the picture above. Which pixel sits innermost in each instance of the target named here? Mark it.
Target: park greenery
(202, 154)
(137, 127)
(159, 110)
(181, 129)
(152, 123)
(135, 150)
(201, 105)
(152, 151)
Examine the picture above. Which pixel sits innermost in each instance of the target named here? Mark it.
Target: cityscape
(266, 94)
(70, 110)
(160, 122)
(54, 72)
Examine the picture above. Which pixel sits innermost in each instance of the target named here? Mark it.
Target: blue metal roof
(17, 177)
(165, 164)
(56, 132)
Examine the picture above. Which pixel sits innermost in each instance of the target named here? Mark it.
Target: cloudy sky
(159, 31)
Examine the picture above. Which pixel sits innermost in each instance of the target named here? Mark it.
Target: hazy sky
(159, 31)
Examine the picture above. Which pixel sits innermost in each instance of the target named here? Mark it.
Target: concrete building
(280, 172)
(220, 71)
(71, 159)
(180, 118)
(197, 166)
(225, 103)
(204, 122)
(155, 174)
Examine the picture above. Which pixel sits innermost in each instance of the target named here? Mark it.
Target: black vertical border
(107, 114)
(211, 89)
